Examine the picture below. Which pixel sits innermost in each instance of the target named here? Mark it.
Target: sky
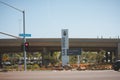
(46, 18)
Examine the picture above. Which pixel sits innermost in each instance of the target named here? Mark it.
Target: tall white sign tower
(65, 47)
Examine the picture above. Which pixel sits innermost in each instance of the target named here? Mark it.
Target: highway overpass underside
(41, 48)
(45, 45)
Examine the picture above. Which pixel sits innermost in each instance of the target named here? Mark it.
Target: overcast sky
(46, 18)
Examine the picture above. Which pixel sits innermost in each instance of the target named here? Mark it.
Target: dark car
(116, 65)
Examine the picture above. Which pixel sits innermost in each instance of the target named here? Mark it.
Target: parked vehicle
(116, 65)
(7, 63)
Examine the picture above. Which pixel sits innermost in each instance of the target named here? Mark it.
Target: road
(61, 75)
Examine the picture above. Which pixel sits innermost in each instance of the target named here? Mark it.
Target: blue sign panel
(25, 35)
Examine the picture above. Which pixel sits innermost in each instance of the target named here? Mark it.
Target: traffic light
(109, 57)
(26, 44)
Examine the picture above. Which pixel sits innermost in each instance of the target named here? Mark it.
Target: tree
(55, 58)
(29, 55)
(88, 57)
(100, 56)
(5, 57)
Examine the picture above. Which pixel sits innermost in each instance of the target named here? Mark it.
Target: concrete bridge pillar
(118, 52)
(45, 53)
(115, 55)
(1, 66)
(51, 53)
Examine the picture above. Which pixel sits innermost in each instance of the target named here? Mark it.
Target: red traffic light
(26, 44)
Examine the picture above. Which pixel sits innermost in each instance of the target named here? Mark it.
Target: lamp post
(24, 39)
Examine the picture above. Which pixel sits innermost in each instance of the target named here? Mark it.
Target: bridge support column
(106, 56)
(110, 56)
(51, 53)
(1, 66)
(118, 52)
(115, 55)
(45, 57)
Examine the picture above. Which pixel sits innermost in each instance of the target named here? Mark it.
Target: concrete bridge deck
(55, 43)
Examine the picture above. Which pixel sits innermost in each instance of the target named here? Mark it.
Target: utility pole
(24, 39)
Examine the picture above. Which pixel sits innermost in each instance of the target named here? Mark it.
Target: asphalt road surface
(61, 75)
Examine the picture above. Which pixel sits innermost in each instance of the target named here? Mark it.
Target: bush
(35, 66)
(29, 67)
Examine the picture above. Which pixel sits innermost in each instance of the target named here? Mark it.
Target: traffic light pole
(24, 39)
(10, 35)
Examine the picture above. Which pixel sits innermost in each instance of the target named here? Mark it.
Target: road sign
(65, 47)
(65, 39)
(74, 52)
(25, 35)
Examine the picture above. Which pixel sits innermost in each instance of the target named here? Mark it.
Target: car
(7, 63)
(116, 65)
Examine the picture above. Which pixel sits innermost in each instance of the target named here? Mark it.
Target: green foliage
(53, 58)
(36, 66)
(29, 67)
(73, 59)
(100, 56)
(88, 57)
(92, 57)
(5, 57)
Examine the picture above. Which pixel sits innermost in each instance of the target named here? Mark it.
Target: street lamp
(24, 39)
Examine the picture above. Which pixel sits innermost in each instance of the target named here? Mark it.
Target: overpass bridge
(54, 44)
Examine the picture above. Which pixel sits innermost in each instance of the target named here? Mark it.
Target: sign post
(78, 60)
(65, 47)
(75, 52)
